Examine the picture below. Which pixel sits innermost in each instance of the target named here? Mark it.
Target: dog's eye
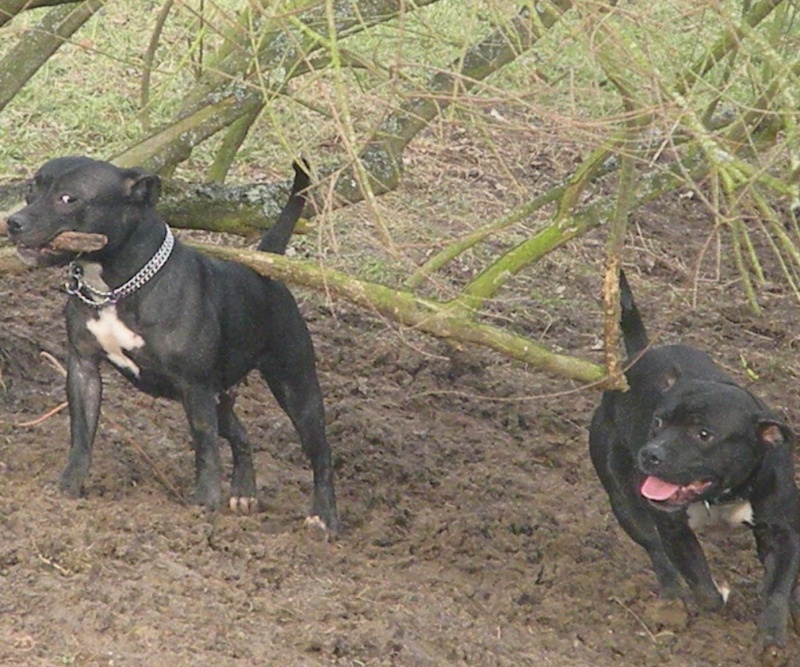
(705, 435)
(67, 199)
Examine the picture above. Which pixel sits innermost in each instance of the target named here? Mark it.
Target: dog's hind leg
(201, 411)
(243, 480)
(293, 381)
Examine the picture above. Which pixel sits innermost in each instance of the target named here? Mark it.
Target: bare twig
(44, 417)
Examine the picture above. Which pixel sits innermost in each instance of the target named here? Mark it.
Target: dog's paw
(316, 523)
(318, 527)
(772, 654)
(724, 591)
(71, 484)
(209, 496)
(712, 598)
(773, 631)
(243, 504)
(323, 514)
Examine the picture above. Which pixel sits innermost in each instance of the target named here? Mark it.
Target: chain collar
(75, 285)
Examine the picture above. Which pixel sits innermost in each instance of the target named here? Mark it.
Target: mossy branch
(725, 45)
(382, 155)
(461, 245)
(36, 45)
(168, 145)
(425, 315)
(654, 184)
(562, 227)
(223, 91)
(281, 46)
(231, 143)
(10, 8)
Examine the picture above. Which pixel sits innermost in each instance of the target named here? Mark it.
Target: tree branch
(10, 8)
(36, 45)
(422, 314)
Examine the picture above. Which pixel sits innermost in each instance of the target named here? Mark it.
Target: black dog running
(686, 446)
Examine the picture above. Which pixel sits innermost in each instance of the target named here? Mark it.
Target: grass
(86, 99)
(516, 133)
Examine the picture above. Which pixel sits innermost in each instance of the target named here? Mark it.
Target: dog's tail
(276, 238)
(633, 332)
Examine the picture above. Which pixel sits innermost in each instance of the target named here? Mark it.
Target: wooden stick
(78, 242)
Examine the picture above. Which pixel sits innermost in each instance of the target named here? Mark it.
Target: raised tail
(633, 332)
(276, 238)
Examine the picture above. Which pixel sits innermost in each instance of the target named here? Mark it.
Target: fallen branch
(422, 314)
(36, 45)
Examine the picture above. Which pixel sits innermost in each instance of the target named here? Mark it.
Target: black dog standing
(685, 446)
(173, 322)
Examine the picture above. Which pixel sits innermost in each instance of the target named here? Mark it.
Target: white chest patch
(730, 514)
(115, 338)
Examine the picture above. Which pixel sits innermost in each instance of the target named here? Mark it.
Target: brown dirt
(476, 532)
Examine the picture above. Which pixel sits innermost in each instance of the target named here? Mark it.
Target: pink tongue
(657, 489)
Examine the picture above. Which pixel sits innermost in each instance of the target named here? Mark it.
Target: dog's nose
(13, 225)
(651, 457)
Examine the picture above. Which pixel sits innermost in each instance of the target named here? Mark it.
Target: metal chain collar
(75, 285)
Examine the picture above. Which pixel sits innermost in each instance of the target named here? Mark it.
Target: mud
(475, 531)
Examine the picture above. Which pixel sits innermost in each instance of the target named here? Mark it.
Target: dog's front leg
(84, 393)
(779, 551)
(685, 552)
(201, 411)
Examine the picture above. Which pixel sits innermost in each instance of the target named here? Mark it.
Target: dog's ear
(669, 378)
(772, 432)
(142, 187)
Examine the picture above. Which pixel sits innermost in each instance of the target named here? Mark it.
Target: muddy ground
(475, 530)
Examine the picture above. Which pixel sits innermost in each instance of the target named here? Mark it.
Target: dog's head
(706, 440)
(78, 194)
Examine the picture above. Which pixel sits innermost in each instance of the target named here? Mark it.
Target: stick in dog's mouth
(78, 242)
(60, 248)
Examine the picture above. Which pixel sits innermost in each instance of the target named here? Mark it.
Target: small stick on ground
(44, 417)
(156, 470)
(55, 363)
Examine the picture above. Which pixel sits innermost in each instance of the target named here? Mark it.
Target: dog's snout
(651, 457)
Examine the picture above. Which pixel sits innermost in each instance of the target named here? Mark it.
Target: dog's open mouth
(667, 494)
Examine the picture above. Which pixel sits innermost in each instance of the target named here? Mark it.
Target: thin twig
(44, 417)
(49, 561)
(55, 363)
(156, 470)
(637, 617)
